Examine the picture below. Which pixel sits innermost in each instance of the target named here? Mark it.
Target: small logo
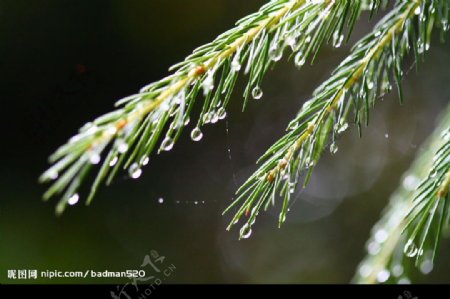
(407, 295)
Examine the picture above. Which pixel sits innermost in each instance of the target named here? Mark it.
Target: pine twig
(128, 135)
(355, 85)
(391, 248)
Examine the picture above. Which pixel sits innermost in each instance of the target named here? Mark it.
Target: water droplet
(235, 64)
(214, 117)
(196, 134)
(386, 135)
(292, 40)
(160, 200)
(113, 161)
(397, 270)
(196, 202)
(308, 39)
(121, 146)
(144, 160)
(418, 10)
(387, 87)
(208, 84)
(163, 107)
(411, 182)
(370, 85)
(167, 144)
(94, 157)
(373, 248)
(333, 148)
(111, 130)
(92, 129)
(73, 199)
(426, 266)
(342, 128)
(221, 113)
(337, 39)
(275, 53)
(377, 33)
(291, 187)
(420, 46)
(310, 162)
(365, 270)
(433, 174)
(404, 280)
(383, 275)
(135, 171)
(445, 26)
(257, 92)
(246, 231)
(51, 174)
(381, 235)
(186, 120)
(207, 118)
(177, 202)
(299, 59)
(410, 249)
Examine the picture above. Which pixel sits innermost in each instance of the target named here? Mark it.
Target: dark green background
(64, 62)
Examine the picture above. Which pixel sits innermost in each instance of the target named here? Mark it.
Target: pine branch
(391, 248)
(354, 86)
(128, 135)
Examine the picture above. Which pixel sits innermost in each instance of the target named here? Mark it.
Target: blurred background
(65, 62)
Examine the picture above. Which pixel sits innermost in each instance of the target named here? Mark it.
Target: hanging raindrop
(397, 270)
(299, 59)
(410, 249)
(208, 84)
(292, 40)
(135, 171)
(381, 235)
(445, 26)
(196, 134)
(73, 199)
(383, 275)
(167, 144)
(214, 117)
(342, 128)
(121, 146)
(51, 174)
(420, 46)
(94, 157)
(418, 10)
(221, 113)
(113, 161)
(275, 53)
(337, 39)
(235, 64)
(246, 231)
(144, 160)
(426, 266)
(186, 120)
(257, 92)
(207, 118)
(365, 270)
(333, 148)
